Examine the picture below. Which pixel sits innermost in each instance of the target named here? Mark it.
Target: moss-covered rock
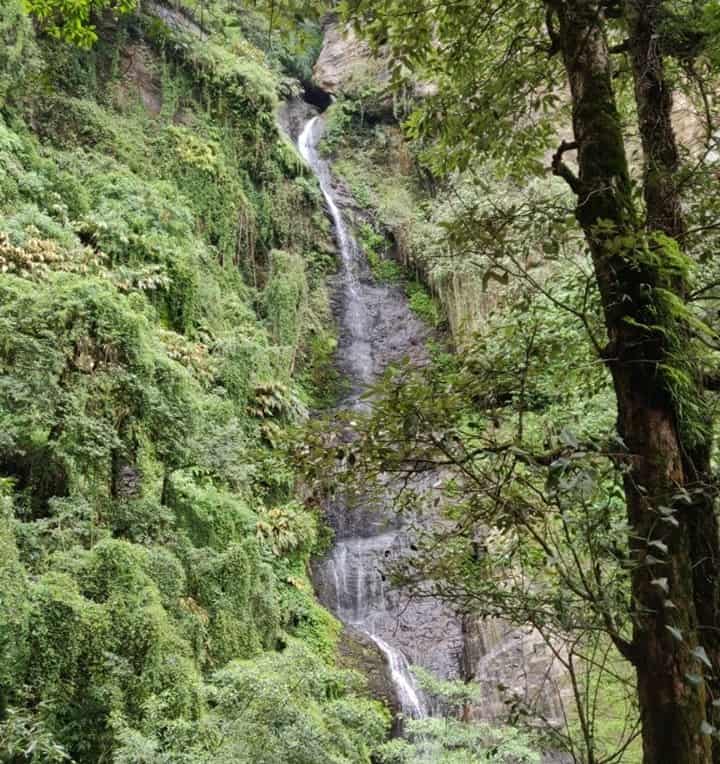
(359, 653)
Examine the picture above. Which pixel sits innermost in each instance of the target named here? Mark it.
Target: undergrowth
(163, 321)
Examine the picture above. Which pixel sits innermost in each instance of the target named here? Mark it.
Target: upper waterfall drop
(307, 145)
(355, 320)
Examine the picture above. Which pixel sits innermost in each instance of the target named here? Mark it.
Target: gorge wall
(510, 664)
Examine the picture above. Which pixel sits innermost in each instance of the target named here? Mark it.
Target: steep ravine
(511, 664)
(376, 327)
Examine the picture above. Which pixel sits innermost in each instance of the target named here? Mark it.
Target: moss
(285, 298)
(14, 607)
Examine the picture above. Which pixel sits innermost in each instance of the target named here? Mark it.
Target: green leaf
(700, 653)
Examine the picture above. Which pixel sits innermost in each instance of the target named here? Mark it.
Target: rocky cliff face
(348, 67)
(376, 328)
(511, 665)
(346, 62)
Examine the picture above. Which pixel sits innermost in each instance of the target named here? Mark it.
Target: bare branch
(560, 169)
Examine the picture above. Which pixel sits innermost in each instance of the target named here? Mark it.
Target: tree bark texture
(653, 95)
(673, 708)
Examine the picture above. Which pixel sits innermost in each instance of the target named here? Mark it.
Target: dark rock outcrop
(358, 652)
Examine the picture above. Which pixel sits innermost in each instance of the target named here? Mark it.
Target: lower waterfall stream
(376, 327)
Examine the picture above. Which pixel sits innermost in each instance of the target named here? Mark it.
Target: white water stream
(353, 585)
(355, 319)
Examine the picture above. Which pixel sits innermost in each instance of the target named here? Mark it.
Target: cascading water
(355, 319)
(376, 327)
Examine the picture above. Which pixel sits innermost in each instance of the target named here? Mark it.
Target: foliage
(26, 738)
(286, 297)
(17, 52)
(374, 246)
(284, 708)
(73, 21)
(163, 321)
(526, 483)
(14, 607)
(422, 303)
(448, 741)
(339, 118)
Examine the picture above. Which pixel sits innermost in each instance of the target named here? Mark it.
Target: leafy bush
(18, 55)
(211, 517)
(422, 303)
(14, 606)
(374, 245)
(160, 286)
(281, 709)
(448, 741)
(338, 119)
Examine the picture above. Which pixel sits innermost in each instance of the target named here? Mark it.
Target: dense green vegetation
(560, 208)
(518, 171)
(163, 319)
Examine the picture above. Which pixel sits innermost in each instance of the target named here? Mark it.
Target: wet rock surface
(378, 328)
(140, 77)
(293, 115)
(512, 665)
(358, 652)
(176, 18)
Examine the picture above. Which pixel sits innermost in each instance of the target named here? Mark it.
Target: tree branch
(554, 47)
(560, 169)
(613, 9)
(622, 47)
(711, 382)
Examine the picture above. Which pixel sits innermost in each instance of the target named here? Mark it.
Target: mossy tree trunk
(635, 286)
(653, 96)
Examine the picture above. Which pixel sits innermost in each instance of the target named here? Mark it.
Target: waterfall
(375, 326)
(410, 699)
(355, 319)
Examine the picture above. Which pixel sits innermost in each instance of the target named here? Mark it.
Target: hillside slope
(163, 320)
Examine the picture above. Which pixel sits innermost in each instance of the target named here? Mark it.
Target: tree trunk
(653, 95)
(672, 708)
